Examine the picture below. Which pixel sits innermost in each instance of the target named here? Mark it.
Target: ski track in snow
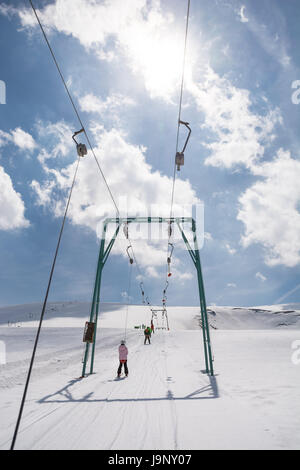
(166, 402)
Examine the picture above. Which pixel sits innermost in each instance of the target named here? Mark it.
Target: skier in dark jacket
(147, 333)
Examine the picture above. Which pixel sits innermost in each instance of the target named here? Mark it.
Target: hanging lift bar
(165, 289)
(125, 230)
(164, 313)
(143, 293)
(164, 300)
(169, 259)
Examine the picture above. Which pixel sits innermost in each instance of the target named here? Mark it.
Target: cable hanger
(179, 158)
(130, 258)
(81, 148)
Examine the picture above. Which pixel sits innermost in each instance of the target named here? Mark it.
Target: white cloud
(11, 205)
(59, 140)
(43, 193)
(239, 135)
(113, 103)
(271, 36)
(208, 236)
(21, 139)
(134, 184)
(137, 30)
(269, 210)
(112, 107)
(4, 138)
(272, 43)
(151, 271)
(231, 284)
(260, 276)
(181, 275)
(12, 208)
(230, 250)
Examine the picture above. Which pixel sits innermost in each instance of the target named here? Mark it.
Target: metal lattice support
(103, 256)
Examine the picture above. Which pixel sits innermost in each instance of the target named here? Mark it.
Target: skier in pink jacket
(123, 352)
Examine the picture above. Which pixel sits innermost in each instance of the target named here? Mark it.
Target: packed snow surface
(167, 401)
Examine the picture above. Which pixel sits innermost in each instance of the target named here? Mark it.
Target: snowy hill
(167, 402)
(253, 318)
(112, 315)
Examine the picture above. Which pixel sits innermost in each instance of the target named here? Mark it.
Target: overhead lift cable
(43, 311)
(73, 105)
(179, 121)
(179, 156)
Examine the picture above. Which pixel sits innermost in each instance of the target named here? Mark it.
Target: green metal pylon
(103, 255)
(195, 255)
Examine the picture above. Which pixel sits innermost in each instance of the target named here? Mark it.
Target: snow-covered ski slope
(167, 402)
(113, 315)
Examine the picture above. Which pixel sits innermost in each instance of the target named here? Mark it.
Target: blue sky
(122, 61)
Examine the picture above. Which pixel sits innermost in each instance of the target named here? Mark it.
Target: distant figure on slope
(147, 333)
(123, 352)
(152, 327)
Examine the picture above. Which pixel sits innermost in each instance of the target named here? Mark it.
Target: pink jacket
(123, 351)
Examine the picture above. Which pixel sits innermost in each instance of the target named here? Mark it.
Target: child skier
(123, 352)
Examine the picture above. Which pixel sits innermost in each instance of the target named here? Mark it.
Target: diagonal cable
(43, 313)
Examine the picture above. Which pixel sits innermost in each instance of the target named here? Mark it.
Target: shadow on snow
(64, 395)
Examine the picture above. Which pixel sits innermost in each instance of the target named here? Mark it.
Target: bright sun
(158, 57)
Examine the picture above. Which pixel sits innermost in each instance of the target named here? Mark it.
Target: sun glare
(158, 57)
